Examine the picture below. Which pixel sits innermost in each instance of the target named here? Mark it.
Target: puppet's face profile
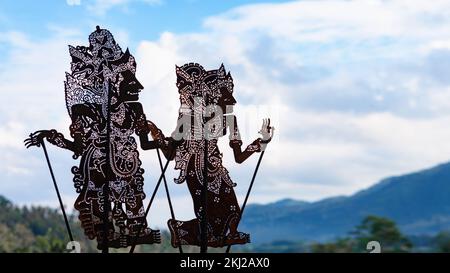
(226, 101)
(129, 87)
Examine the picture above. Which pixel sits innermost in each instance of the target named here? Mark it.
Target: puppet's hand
(266, 131)
(155, 131)
(37, 137)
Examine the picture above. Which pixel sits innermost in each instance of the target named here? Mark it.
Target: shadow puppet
(102, 84)
(206, 111)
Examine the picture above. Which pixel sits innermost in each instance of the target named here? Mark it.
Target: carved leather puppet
(103, 76)
(200, 89)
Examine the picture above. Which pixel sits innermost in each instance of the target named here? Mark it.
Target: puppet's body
(222, 205)
(101, 98)
(125, 173)
(200, 89)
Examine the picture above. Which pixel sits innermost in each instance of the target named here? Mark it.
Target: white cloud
(304, 21)
(9, 133)
(343, 75)
(100, 7)
(357, 90)
(73, 2)
(31, 83)
(14, 38)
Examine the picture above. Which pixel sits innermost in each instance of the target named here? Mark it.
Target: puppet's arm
(147, 144)
(56, 138)
(143, 128)
(166, 144)
(256, 146)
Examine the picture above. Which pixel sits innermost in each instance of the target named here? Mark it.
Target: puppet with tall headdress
(202, 91)
(101, 97)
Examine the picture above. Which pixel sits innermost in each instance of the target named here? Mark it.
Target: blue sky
(142, 19)
(358, 90)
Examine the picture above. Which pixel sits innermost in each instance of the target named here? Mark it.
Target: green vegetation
(35, 229)
(372, 228)
(42, 229)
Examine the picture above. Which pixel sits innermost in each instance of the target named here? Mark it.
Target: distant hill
(42, 229)
(419, 202)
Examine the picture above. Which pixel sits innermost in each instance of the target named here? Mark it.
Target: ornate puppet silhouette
(101, 97)
(200, 89)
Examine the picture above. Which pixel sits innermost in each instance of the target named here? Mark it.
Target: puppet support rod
(172, 213)
(133, 245)
(107, 203)
(57, 191)
(248, 192)
(204, 194)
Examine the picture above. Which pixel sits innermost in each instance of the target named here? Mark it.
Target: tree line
(41, 229)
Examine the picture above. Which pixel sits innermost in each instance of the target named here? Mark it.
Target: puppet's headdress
(93, 66)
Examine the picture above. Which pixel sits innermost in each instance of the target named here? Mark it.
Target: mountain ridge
(417, 201)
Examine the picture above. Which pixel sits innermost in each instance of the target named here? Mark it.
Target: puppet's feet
(115, 240)
(238, 238)
(119, 241)
(156, 235)
(175, 241)
(147, 236)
